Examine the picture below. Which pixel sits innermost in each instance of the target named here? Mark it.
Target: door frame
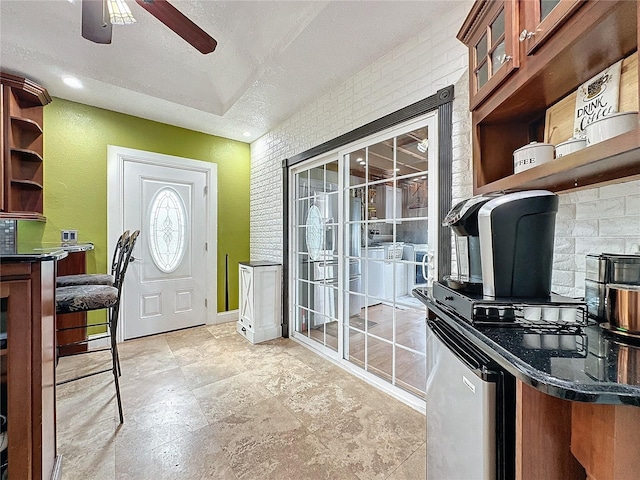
(116, 156)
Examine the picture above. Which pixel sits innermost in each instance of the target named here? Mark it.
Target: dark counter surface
(30, 252)
(260, 263)
(587, 364)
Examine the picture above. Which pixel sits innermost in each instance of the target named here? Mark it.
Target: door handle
(424, 267)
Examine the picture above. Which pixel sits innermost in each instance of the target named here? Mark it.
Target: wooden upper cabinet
(490, 32)
(564, 44)
(541, 18)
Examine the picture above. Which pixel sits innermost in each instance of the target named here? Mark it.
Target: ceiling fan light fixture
(119, 13)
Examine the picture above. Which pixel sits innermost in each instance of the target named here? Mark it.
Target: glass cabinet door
(494, 51)
(543, 17)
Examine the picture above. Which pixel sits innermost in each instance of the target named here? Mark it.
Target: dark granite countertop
(73, 247)
(588, 364)
(29, 252)
(260, 263)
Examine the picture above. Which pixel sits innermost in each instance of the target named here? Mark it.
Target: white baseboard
(224, 317)
(95, 344)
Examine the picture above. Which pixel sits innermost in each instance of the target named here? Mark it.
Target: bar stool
(82, 298)
(96, 278)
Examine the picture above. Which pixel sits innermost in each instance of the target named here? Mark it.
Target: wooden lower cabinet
(73, 264)
(28, 369)
(559, 439)
(543, 437)
(606, 440)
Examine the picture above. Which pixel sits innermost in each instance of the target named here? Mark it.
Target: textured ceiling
(273, 57)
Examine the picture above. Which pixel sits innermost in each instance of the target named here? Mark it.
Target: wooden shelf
(23, 216)
(30, 184)
(618, 157)
(27, 124)
(29, 155)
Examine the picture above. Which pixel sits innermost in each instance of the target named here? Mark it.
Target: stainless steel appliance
(504, 247)
(470, 410)
(470, 399)
(604, 269)
(463, 221)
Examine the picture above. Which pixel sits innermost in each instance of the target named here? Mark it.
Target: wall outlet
(69, 236)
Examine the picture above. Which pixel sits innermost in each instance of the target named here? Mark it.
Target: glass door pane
(546, 6)
(390, 188)
(314, 250)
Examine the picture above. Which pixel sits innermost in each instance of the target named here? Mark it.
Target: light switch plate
(69, 236)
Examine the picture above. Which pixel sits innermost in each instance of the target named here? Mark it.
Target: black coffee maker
(506, 240)
(463, 221)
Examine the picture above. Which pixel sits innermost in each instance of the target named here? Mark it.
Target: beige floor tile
(161, 422)
(85, 402)
(193, 456)
(205, 403)
(229, 396)
(204, 372)
(414, 467)
(138, 392)
(88, 451)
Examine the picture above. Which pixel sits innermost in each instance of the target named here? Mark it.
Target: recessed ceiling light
(246, 134)
(72, 82)
(359, 159)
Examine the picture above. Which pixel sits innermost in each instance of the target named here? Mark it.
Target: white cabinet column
(260, 316)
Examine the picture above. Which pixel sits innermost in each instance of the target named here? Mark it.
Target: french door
(363, 232)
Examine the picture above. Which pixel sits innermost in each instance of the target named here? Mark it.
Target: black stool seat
(81, 298)
(85, 279)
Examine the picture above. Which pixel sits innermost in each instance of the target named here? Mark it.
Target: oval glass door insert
(315, 232)
(167, 229)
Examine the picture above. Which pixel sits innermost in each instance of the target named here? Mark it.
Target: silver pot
(623, 307)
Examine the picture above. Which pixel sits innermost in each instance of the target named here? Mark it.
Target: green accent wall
(75, 181)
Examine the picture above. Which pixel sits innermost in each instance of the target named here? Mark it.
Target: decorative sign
(597, 98)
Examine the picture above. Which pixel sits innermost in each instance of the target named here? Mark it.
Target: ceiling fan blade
(96, 25)
(180, 24)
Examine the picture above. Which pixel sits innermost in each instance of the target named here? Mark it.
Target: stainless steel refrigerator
(470, 410)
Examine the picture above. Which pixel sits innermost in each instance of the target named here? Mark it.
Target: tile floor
(205, 403)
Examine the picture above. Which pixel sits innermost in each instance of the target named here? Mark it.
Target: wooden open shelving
(21, 122)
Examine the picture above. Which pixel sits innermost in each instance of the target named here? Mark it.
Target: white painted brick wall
(412, 71)
(596, 220)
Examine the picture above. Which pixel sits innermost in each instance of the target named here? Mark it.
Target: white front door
(171, 282)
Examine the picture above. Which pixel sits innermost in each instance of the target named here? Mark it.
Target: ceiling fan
(96, 25)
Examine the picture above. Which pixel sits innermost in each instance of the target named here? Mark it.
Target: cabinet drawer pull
(525, 35)
(244, 329)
